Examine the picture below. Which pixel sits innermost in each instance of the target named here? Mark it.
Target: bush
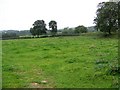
(68, 31)
(81, 29)
(114, 70)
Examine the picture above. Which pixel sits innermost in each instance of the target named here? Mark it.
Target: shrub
(81, 29)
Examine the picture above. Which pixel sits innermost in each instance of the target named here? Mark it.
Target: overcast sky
(21, 14)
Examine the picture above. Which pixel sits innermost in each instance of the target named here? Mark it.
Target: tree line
(39, 28)
(13, 34)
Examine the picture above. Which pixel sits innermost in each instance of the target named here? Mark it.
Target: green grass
(64, 62)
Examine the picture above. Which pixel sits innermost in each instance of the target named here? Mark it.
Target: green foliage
(53, 25)
(68, 31)
(33, 32)
(9, 36)
(80, 29)
(15, 32)
(39, 28)
(64, 62)
(102, 61)
(107, 17)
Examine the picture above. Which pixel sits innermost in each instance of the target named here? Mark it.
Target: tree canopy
(39, 27)
(107, 17)
(53, 26)
(80, 29)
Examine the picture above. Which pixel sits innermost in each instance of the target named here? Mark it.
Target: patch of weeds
(74, 69)
(115, 45)
(9, 68)
(72, 60)
(101, 61)
(46, 56)
(34, 49)
(45, 49)
(56, 48)
(53, 47)
(98, 74)
(17, 52)
(115, 82)
(70, 70)
(13, 49)
(99, 67)
(114, 70)
(92, 46)
(100, 54)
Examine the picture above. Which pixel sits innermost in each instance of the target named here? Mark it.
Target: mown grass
(64, 62)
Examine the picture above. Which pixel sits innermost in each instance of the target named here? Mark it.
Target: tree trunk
(109, 28)
(109, 32)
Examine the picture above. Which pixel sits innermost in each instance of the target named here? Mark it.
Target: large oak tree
(39, 28)
(107, 17)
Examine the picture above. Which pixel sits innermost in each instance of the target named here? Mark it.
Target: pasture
(62, 62)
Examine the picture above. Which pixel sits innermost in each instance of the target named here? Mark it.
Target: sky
(21, 14)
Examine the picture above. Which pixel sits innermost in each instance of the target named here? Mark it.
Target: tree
(32, 31)
(68, 31)
(119, 17)
(107, 17)
(80, 29)
(39, 28)
(53, 25)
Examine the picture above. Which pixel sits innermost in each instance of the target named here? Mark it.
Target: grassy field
(63, 62)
